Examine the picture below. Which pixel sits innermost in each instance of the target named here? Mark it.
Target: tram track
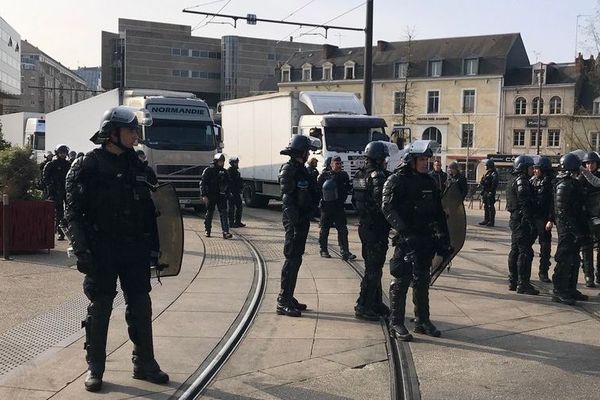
(196, 384)
(404, 384)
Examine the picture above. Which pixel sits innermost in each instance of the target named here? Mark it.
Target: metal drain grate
(28, 340)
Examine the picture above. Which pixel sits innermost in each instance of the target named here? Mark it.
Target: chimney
(327, 51)
(382, 45)
(579, 64)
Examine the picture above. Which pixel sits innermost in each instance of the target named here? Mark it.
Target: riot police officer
(571, 224)
(334, 184)
(373, 230)
(519, 202)
(214, 189)
(543, 211)
(412, 205)
(489, 184)
(590, 162)
(300, 197)
(112, 227)
(457, 177)
(236, 184)
(55, 173)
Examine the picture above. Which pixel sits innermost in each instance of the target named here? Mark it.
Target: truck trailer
(256, 128)
(179, 145)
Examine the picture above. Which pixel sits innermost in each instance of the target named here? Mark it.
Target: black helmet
(218, 157)
(522, 162)
(376, 151)
(543, 163)
(570, 162)
(233, 160)
(591, 156)
(418, 148)
(61, 148)
(490, 163)
(80, 154)
(118, 117)
(297, 146)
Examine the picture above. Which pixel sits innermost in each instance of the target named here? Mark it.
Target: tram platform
(495, 344)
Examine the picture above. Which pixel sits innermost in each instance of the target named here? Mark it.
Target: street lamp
(539, 73)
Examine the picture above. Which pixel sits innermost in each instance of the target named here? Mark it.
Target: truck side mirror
(219, 134)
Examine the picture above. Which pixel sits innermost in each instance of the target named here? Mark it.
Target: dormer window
(349, 72)
(400, 70)
(471, 66)
(327, 71)
(435, 68)
(285, 73)
(538, 72)
(307, 72)
(596, 109)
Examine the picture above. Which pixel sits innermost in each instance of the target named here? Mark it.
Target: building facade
(92, 77)
(448, 90)
(47, 85)
(10, 66)
(167, 56)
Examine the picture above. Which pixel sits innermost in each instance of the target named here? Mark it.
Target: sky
(70, 30)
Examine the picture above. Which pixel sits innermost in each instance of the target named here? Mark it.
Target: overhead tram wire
(200, 25)
(336, 17)
(202, 5)
(298, 9)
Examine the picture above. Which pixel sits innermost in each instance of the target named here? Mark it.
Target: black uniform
(489, 184)
(112, 226)
(373, 230)
(412, 205)
(300, 197)
(150, 174)
(571, 224)
(461, 181)
(520, 202)
(543, 212)
(235, 195)
(55, 173)
(215, 186)
(440, 179)
(332, 212)
(588, 250)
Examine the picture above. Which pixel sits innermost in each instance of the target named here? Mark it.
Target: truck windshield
(166, 134)
(344, 139)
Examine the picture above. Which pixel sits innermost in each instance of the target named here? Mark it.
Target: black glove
(582, 239)
(85, 263)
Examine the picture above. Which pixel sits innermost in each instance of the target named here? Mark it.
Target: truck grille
(353, 164)
(180, 170)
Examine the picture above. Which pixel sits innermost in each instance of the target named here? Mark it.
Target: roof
(557, 74)
(495, 53)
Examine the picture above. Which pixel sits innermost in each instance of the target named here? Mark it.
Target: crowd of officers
(538, 203)
(407, 201)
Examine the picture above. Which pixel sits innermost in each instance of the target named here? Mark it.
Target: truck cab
(35, 136)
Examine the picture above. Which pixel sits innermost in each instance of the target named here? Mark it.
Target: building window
(595, 140)
(520, 106)
(175, 52)
(285, 74)
(468, 101)
(433, 102)
(471, 66)
(553, 137)
(466, 135)
(185, 53)
(349, 70)
(400, 70)
(307, 72)
(399, 102)
(534, 137)
(435, 68)
(327, 68)
(534, 108)
(555, 105)
(596, 109)
(518, 138)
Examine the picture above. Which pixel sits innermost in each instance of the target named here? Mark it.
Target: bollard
(5, 227)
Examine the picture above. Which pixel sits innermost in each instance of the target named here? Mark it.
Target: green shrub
(18, 173)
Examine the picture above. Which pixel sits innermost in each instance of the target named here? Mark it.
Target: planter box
(31, 225)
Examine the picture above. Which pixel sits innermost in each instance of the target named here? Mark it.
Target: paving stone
(361, 356)
(247, 383)
(193, 324)
(305, 369)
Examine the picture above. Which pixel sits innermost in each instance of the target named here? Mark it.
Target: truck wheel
(252, 199)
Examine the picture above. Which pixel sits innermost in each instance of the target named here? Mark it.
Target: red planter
(31, 225)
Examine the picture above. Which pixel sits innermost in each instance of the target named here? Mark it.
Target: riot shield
(170, 231)
(452, 203)
(593, 209)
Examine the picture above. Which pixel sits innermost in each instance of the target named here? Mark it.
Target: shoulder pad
(378, 174)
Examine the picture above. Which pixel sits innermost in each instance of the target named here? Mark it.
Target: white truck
(24, 128)
(179, 144)
(256, 128)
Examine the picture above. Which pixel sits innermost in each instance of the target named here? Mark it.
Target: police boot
(138, 315)
(378, 305)
(421, 301)
(297, 305)
(576, 294)
(227, 235)
(285, 303)
(96, 331)
(287, 307)
(543, 275)
(559, 296)
(364, 305)
(345, 247)
(486, 217)
(240, 224)
(398, 304)
(524, 285)
(492, 220)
